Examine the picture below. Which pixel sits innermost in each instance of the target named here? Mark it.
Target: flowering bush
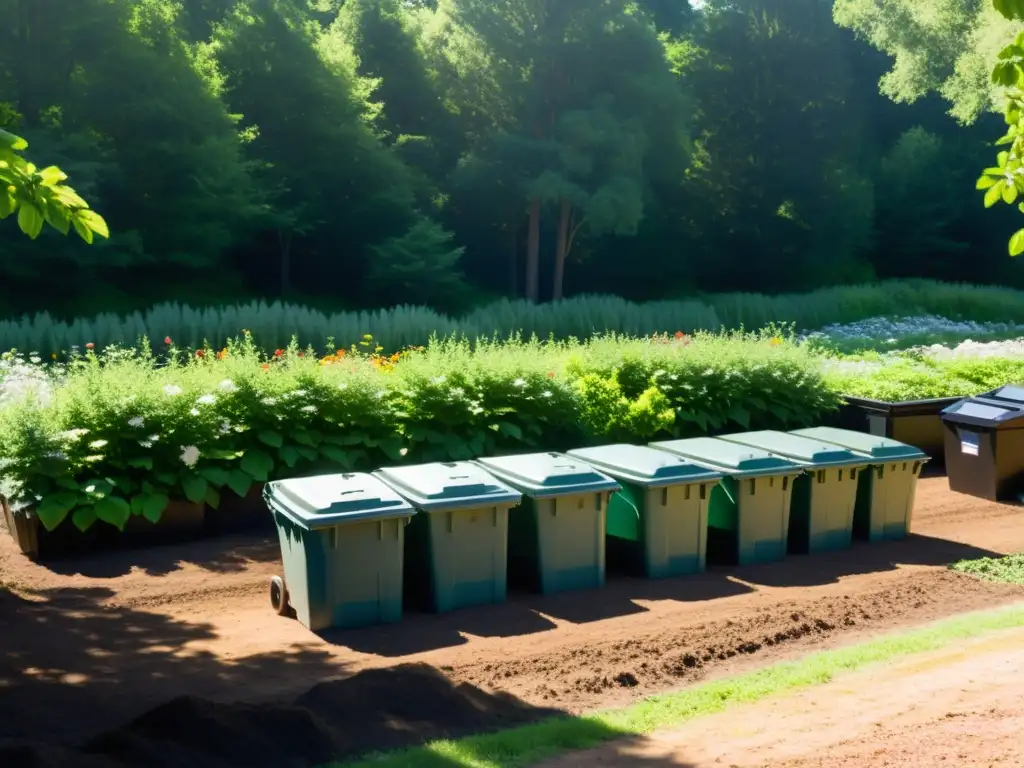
(117, 432)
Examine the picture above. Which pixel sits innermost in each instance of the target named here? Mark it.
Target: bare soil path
(103, 639)
(958, 706)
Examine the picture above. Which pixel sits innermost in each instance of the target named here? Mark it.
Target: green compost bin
(885, 494)
(748, 512)
(821, 515)
(341, 543)
(660, 516)
(456, 549)
(557, 537)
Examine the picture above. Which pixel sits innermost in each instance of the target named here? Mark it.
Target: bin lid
(1012, 392)
(732, 458)
(448, 485)
(645, 466)
(881, 448)
(543, 475)
(983, 412)
(330, 500)
(803, 449)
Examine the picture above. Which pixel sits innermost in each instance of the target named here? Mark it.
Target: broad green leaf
(83, 518)
(339, 456)
(113, 510)
(1017, 243)
(212, 498)
(257, 464)
(289, 455)
(30, 220)
(53, 509)
(985, 182)
(83, 231)
(1009, 193)
(994, 194)
(10, 141)
(392, 447)
(153, 506)
(271, 438)
(97, 489)
(194, 487)
(143, 462)
(510, 429)
(52, 176)
(216, 476)
(7, 203)
(93, 221)
(740, 415)
(240, 482)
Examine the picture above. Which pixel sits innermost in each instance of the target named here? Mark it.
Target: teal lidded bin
(341, 543)
(456, 549)
(885, 494)
(660, 516)
(557, 538)
(748, 513)
(821, 515)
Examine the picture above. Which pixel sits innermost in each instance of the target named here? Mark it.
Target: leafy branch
(39, 196)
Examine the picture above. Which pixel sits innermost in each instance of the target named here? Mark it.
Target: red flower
(302, 354)
(200, 353)
(167, 340)
(680, 335)
(551, 374)
(90, 345)
(278, 353)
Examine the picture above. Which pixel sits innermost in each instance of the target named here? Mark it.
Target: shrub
(122, 432)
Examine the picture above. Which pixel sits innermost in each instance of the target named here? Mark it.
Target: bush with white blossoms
(124, 434)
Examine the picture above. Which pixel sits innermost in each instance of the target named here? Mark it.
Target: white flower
(35, 360)
(207, 400)
(146, 443)
(154, 438)
(172, 390)
(269, 401)
(137, 422)
(308, 409)
(547, 393)
(228, 386)
(403, 451)
(97, 444)
(194, 412)
(90, 489)
(519, 383)
(299, 393)
(74, 434)
(438, 380)
(57, 455)
(225, 427)
(189, 455)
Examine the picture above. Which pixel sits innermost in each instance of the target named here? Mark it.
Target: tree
(39, 196)
(1005, 180)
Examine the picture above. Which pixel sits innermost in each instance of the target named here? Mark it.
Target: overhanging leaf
(194, 487)
(113, 510)
(257, 464)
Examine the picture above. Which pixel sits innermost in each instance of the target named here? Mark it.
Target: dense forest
(356, 153)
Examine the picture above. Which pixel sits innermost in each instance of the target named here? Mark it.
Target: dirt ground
(958, 706)
(89, 644)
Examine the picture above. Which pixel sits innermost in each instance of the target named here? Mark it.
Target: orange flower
(200, 353)
(265, 367)
(680, 335)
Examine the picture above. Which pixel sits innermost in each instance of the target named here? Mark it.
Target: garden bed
(116, 438)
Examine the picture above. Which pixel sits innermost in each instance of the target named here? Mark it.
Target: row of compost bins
(357, 548)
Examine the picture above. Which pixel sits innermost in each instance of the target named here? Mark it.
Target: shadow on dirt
(861, 558)
(228, 554)
(72, 668)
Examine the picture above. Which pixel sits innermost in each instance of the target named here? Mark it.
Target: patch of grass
(1009, 569)
(529, 744)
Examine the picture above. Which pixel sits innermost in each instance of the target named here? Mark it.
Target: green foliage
(39, 197)
(1008, 570)
(901, 380)
(120, 433)
(580, 317)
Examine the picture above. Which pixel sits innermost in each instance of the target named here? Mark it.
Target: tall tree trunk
(513, 257)
(561, 249)
(533, 254)
(284, 242)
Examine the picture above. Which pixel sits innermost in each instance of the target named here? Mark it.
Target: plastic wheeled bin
(821, 511)
(341, 543)
(557, 537)
(985, 444)
(748, 512)
(660, 516)
(886, 491)
(456, 549)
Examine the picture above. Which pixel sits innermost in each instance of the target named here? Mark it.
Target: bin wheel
(278, 596)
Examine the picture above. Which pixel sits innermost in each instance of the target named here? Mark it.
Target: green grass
(1009, 569)
(530, 744)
